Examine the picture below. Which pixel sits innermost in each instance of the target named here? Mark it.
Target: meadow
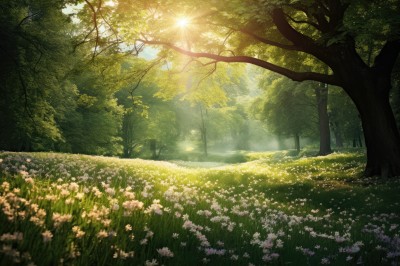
(60, 209)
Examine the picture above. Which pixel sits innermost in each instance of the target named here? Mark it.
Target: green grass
(273, 209)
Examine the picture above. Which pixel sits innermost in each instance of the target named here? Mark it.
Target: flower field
(59, 209)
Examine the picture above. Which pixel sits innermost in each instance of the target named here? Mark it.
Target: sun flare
(182, 22)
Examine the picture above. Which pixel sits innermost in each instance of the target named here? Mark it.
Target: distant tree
(321, 96)
(207, 96)
(162, 129)
(93, 126)
(149, 122)
(134, 112)
(288, 109)
(344, 119)
(203, 128)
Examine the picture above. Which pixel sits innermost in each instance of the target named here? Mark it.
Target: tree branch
(209, 73)
(27, 18)
(303, 42)
(84, 39)
(257, 37)
(115, 32)
(37, 45)
(323, 24)
(269, 42)
(296, 76)
(304, 22)
(25, 92)
(96, 27)
(387, 56)
(115, 43)
(323, 6)
(336, 13)
(144, 73)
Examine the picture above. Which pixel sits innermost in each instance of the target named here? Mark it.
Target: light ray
(182, 22)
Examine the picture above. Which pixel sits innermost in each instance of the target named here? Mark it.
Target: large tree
(35, 52)
(332, 31)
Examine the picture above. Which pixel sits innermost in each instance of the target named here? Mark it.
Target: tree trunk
(369, 88)
(396, 97)
(25, 144)
(336, 128)
(360, 141)
(297, 142)
(321, 93)
(203, 131)
(357, 137)
(153, 148)
(159, 151)
(242, 139)
(127, 135)
(204, 140)
(281, 143)
(382, 137)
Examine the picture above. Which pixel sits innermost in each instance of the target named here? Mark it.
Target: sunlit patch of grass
(275, 209)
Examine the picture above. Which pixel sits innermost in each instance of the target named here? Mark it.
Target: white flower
(128, 227)
(47, 236)
(165, 252)
(156, 208)
(29, 180)
(73, 186)
(279, 243)
(132, 205)
(78, 232)
(325, 261)
(153, 262)
(115, 207)
(110, 191)
(59, 219)
(102, 234)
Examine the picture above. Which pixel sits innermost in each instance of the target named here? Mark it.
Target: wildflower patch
(85, 210)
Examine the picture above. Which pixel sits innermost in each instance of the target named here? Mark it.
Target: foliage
(287, 107)
(33, 37)
(343, 115)
(151, 120)
(92, 125)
